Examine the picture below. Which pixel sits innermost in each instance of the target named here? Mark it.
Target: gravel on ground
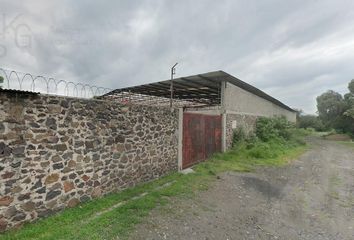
(311, 198)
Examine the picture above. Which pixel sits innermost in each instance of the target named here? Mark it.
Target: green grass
(82, 223)
(349, 144)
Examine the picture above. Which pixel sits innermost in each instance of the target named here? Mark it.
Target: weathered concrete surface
(246, 122)
(312, 198)
(244, 102)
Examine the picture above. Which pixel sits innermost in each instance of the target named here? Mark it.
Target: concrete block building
(211, 105)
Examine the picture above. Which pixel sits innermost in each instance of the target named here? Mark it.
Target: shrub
(311, 121)
(239, 135)
(265, 129)
(251, 141)
(273, 128)
(272, 138)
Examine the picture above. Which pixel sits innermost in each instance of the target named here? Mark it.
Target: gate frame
(180, 133)
(223, 132)
(180, 138)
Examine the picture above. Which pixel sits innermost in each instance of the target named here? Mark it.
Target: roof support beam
(208, 79)
(183, 86)
(214, 85)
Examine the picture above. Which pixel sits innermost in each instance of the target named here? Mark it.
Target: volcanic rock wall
(56, 152)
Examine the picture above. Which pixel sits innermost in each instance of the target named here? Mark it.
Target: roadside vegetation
(335, 113)
(349, 144)
(274, 143)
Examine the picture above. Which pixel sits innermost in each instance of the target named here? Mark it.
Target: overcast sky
(293, 50)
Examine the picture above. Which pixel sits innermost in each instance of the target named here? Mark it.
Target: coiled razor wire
(28, 82)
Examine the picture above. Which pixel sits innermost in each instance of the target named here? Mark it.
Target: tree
(336, 111)
(299, 113)
(311, 121)
(351, 86)
(331, 106)
(350, 113)
(349, 100)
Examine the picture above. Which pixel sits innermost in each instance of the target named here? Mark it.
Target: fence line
(28, 82)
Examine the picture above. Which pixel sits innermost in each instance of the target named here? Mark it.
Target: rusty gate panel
(201, 137)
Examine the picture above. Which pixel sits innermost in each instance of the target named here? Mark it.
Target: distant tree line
(334, 112)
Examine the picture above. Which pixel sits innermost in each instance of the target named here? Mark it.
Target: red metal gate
(201, 137)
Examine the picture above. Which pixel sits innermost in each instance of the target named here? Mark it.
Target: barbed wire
(28, 82)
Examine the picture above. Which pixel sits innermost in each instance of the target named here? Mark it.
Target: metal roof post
(222, 97)
(173, 72)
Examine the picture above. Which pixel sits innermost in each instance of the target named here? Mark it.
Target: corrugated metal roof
(203, 88)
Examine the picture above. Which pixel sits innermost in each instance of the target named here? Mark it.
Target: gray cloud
(294, 50)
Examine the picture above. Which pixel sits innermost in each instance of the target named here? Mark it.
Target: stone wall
(246, 122)
(56, 152)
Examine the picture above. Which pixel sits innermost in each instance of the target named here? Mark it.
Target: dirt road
(312, 198)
